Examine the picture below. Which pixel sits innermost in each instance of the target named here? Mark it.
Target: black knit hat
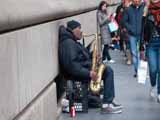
(73, 24)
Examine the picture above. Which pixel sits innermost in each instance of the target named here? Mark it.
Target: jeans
(108, 81)
(153, 56)
(133, 41)
(106, 53)
(116, 45)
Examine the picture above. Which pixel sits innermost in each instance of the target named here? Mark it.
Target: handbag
(142, 72)
(113, 26)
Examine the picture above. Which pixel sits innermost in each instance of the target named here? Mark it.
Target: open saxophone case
(80, 96)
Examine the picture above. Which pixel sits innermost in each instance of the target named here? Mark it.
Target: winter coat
(132, 19)
(75, 60)
(150, 29)
(104, 30)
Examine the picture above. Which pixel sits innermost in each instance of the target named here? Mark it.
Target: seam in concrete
(33, 101)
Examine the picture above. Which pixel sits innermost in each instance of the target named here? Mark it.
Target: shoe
(135, 75)
(111, 61)
(105, 61)
(152, 94)
(128, 62)
(110, 109)
(158, 98)
(128, 54)
(117, 106)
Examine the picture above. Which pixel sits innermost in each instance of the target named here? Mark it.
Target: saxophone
(95, 85)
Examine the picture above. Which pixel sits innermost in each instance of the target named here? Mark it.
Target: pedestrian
(132, 20)
(124, 44)
(76, 63)
(152, 37)
(103, 18)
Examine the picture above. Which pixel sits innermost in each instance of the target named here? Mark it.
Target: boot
(128, 53)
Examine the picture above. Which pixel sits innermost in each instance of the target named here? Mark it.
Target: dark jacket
(74, 59)
(150, 30)
(132, 19)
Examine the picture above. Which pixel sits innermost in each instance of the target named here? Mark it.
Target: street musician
(75, 61)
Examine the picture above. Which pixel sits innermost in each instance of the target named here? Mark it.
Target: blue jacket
(132, 19)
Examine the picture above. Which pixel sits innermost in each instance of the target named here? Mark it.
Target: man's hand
(93, 75)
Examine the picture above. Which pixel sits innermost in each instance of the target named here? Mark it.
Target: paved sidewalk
(133, 96)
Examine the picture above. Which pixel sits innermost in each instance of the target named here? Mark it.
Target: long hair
(101, 4)
(155, 10)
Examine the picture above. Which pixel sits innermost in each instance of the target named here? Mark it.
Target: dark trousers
(106, 53)
(108, 79)
(121, 42)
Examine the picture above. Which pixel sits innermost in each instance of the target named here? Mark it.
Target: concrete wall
(29, 58)
(18, 13)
